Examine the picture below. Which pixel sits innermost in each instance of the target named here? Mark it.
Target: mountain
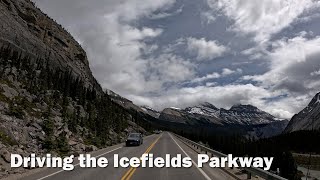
(308, 118)
(205, 109)
(244, 119)
(241, 119)
(188, 116)
(246, 114)
(208, 113)
(31, 33)
(129, 105)
(268, 130)
(150, 111)
(49, 100)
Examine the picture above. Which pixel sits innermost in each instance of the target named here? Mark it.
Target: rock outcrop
(308, 118)
(27, 30)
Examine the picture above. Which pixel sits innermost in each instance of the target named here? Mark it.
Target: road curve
(159, 145)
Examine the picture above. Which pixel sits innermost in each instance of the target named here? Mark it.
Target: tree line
(37, 75)
(280, 147)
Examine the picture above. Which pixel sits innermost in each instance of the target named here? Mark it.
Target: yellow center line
(131, 171)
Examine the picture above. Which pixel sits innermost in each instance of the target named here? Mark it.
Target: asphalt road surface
(159, 145)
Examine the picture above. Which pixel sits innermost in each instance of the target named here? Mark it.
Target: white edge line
(76, 164)
(194, 163)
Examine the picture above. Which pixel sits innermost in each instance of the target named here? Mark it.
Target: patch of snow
(175, 108)
(144, 109)
(203, 110)
(196, 110)
(318, 100)
(148, 108)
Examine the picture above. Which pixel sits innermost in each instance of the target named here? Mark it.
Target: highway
(159, 145)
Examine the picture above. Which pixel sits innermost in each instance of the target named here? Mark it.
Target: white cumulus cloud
(262, 18)
(227, 71)
(207, 77)
(205, 50)
(154, 63)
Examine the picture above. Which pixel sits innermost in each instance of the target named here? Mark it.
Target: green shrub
(3, 98)
(49, 143)
(5, 139)
(48, 126)
(16, 111)
(62, 145)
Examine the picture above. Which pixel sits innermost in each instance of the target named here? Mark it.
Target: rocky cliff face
(129, 105)
(198, 115)
(49, 100)
(308, 118)
(268, 130)
(205, 109)
(25, 29)
(246, 114)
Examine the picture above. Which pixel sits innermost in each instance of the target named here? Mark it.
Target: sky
(179, 53)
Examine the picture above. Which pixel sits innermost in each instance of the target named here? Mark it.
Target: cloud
(308, 18)
(293, 71)
(170, 68)
(209, 84)
(315, 73)
(292, 63)
(150, 49)
(114, 45)
(262, 18)
(226, 71)
(166, 14)
(205, 50)
(117, 58)
(142, 51)
(207, 17)
(207, 77)
(221, 96)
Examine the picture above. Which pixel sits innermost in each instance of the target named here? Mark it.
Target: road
(159, 145)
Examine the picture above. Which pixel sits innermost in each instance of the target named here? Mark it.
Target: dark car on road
(157, 131)
(134, 139)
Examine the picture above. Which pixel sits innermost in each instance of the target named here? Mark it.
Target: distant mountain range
(208, 113)
(250, 119)
(263, 124)
(308, 118)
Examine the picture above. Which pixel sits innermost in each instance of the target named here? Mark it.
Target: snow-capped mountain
(206, 109)
(246, 114)
(308, 118)
(253, 121)
(237, 114)
(198, 115)
(150, 111)
(248, 119)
